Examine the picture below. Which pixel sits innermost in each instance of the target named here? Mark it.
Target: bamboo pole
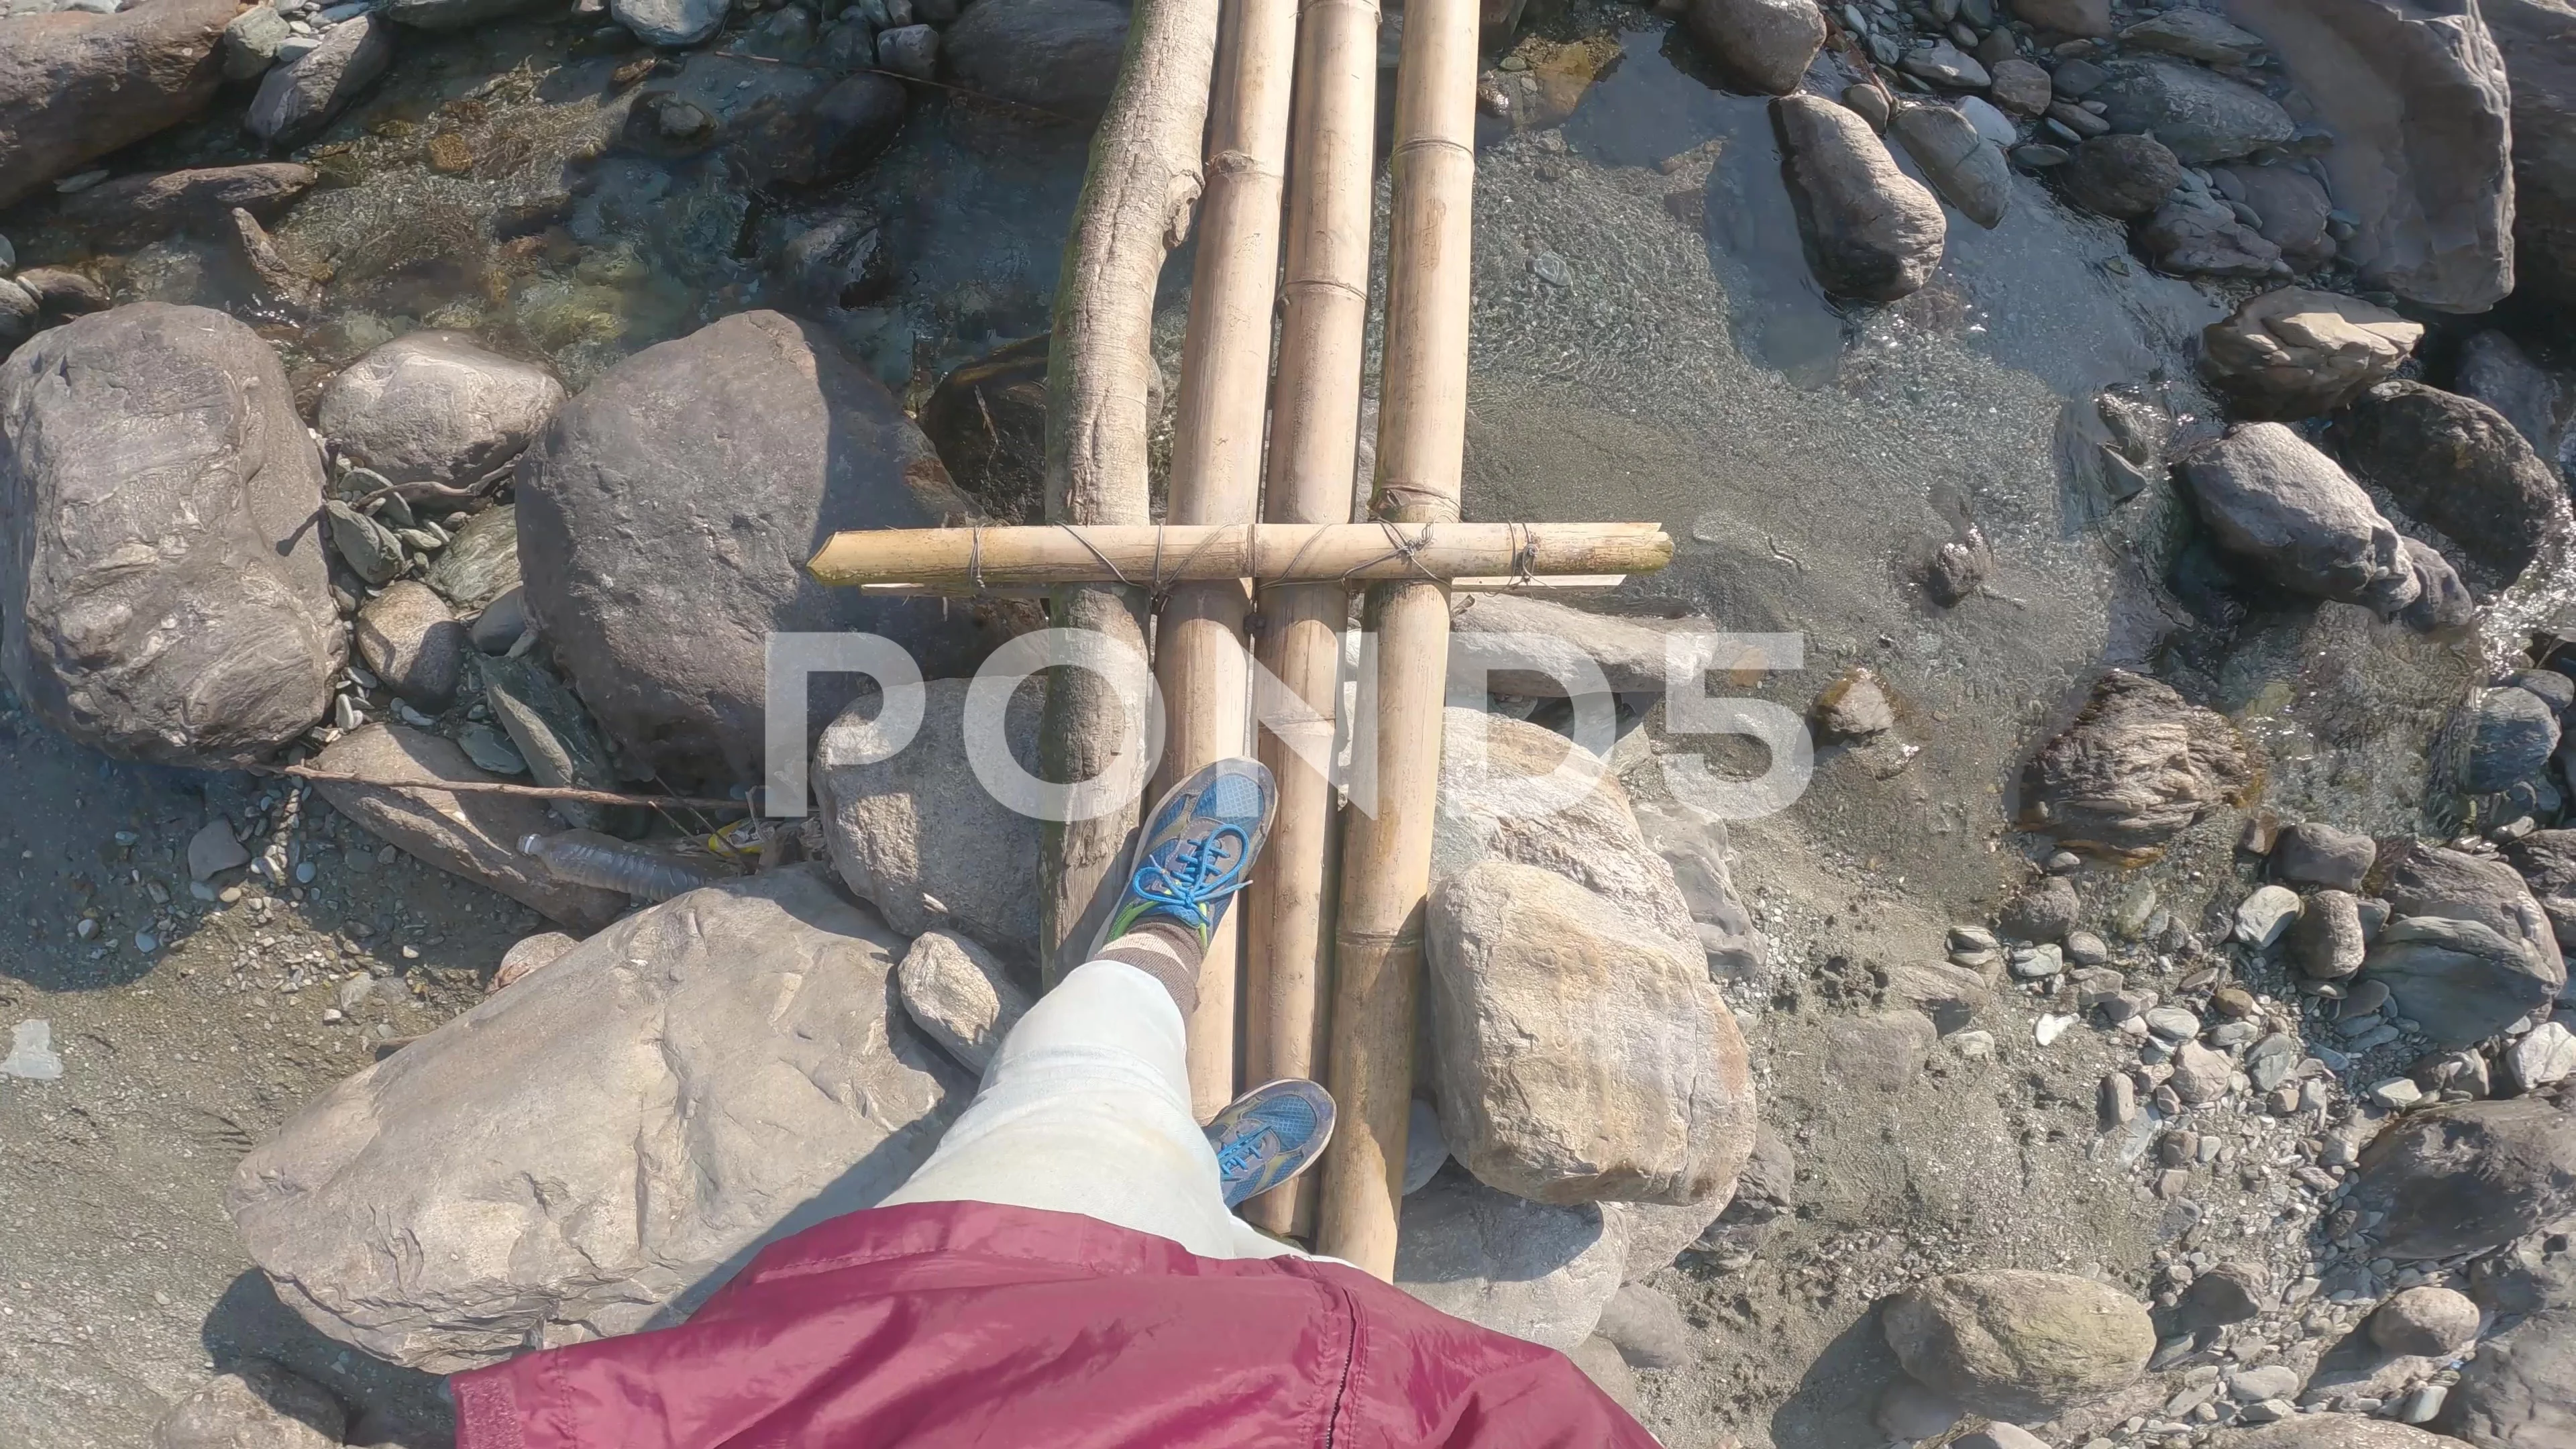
(1156, 555)
(1216, 454)
(1135, 206)
(1314, 437)
(1422, 425)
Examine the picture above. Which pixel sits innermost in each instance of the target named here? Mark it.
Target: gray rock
(844, 262)
(1060, 56)
(2283, 508)
(2467, 1177)
(480, 562)
(369, 548)
(62, 292)
(258, 1405)
(2312, 853)
(2330, 1431)
(130, 210)
(2076, 79)
(1957, 569)
(1853, 707)
(2228, 1293)
(2546, 860)
(2293, 205)
(2460, 979)
(1693, 844)
(696, 1080)
(528, 955)
(658, 553)
(2019, 86)
(2198, 238)
(2200, 1076)
(1532, 1270)
(1871, 231)
(2532, 37)
(2193, 35)
(1600, 1361)
(2441, 600)
(988, 420)
(2327, 940)
(435, 407)
(2019, 1345)
(2456, 464)
(1999, 1436)
(2556, 690)
(1964, 167)
(1944, 65)
(551, 732)
(1763, 46)
(1580, 1056)
(213, 850)
(2136, 767)
(2268, 1063)
(2120, 176)
(1425, 1150)
(472, 835)
(303, 95)
(2425, 880)
(1649, 1332)
(20, 315)
(2513, 733)
(1526, 646)
(960, 996)
(2519, 1392)
(910, 50)
(411, 642)
(80, 85)
(251, 43)
(2200, 117)
(169, 434)
(1880, 1051)
(1869, 101)
(1951, 996)
(501, 623)
(2044, 912)
(2271, 1381)
(2417, 105)
(918, 825)
(2427, 1321)
(2493, 370)
(2087, 19)
(671, 23)
(453, 14)
(2544, 1057)
(491, 749)
(2295, 353)
(1907, 1410)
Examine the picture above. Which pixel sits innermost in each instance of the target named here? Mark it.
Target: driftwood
(1135, 206)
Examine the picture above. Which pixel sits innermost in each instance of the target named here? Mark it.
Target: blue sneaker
(1197, 851)
(1269, 1135)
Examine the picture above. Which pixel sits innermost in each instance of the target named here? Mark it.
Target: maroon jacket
(940, 1324)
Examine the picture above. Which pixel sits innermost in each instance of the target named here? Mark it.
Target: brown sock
(1169, 954)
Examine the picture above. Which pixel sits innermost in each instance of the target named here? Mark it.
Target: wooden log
(1422, 425)
(1152, 556)
(1314, 439)
(1216, 455)
(1135, 206)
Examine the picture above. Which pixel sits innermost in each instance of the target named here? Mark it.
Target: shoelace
(1195, 877)
(1245, 1153)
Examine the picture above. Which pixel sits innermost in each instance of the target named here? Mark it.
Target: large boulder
(2285, 509)
(77, 84)
(660, 554)
(2468, 1176)
(2461, 980)
(2136, 768)
(2193, 35)
(2201, 117)
(2537, 39)
(2458, 465)
(917, 826)
(2019, 1345)
(2295, 353)
(2120, 176)
(1060, 56)
(1871, 231)
(134, 209)
(436, 407)
(163, 593)
(474, 834)
(596, 1149)
(1533, 1270)
(1580, 1055)
(257, 1405)
(2430, 880)
(2415, 95)
(2546, 860)
(305, 94)
(1763, 46)
(2519, 1392)
(1968, 170)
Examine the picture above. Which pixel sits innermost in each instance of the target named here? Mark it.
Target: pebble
(146, 943)
(2173, 1023)
(86, 929)
(2051, 1026)
(2365, 998)
(2547, 1055)
(1550, 268)
(2396, 1094)
(304, 873)
(71, 185)
(331, 1014)
(2086, 949)
(2266, 914)
(1972, 938)
(2064, 862)
(2423, 1404)
(2037, 963)
(1975, 1045)
(2039, 156)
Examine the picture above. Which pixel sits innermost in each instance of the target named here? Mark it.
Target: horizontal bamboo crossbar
(971, 559)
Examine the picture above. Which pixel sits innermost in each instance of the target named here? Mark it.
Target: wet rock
(842, 263)
(2461, 980)
(1907, 1410)
(2546, 860)
(1649, 1332)
(2428, 1322)
(2204, 239)
(2286, 511)
(453, 14)
(2316, 854)
(168, 434)
(2441, 600)
(2417, 105)
(551, 732)
(696, 1080)
(412, 643)
(473, 835)
(960, 996)
(2120, 176)
(2084, 19)
(915, 823)
(1871, 231)
(1763, 46)
(303, 95)
(2297, 353)
(830, 140)
(2493, 370)
(1968, 171)
(2228, 1293)
(1529, 647)
(657, 553)
(436, 407)
(1957, 569)
(293, 281)
(131, 210)
(909, 50)
(672, 23)
(2512, 735)
(2467, 1177)
(2330, 1431)
(258, 1405)
(61, 292)
(252, 40)
(2044, 912)
(2294, 207)
(1060, 56)
(2193, 35)
(1532, 1270)
(2532, 37)
(480, 562)
(2456, 464)
(848, 46)
(2020, 86)
(1580, 1055)
(2019, 1345)
(2327, 940)
(988, 421)
(79, 85)
(1944, 65)
(2136, 767)
(2199, 116)
(528, 955)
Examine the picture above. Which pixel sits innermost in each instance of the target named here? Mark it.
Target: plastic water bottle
(585, 857)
